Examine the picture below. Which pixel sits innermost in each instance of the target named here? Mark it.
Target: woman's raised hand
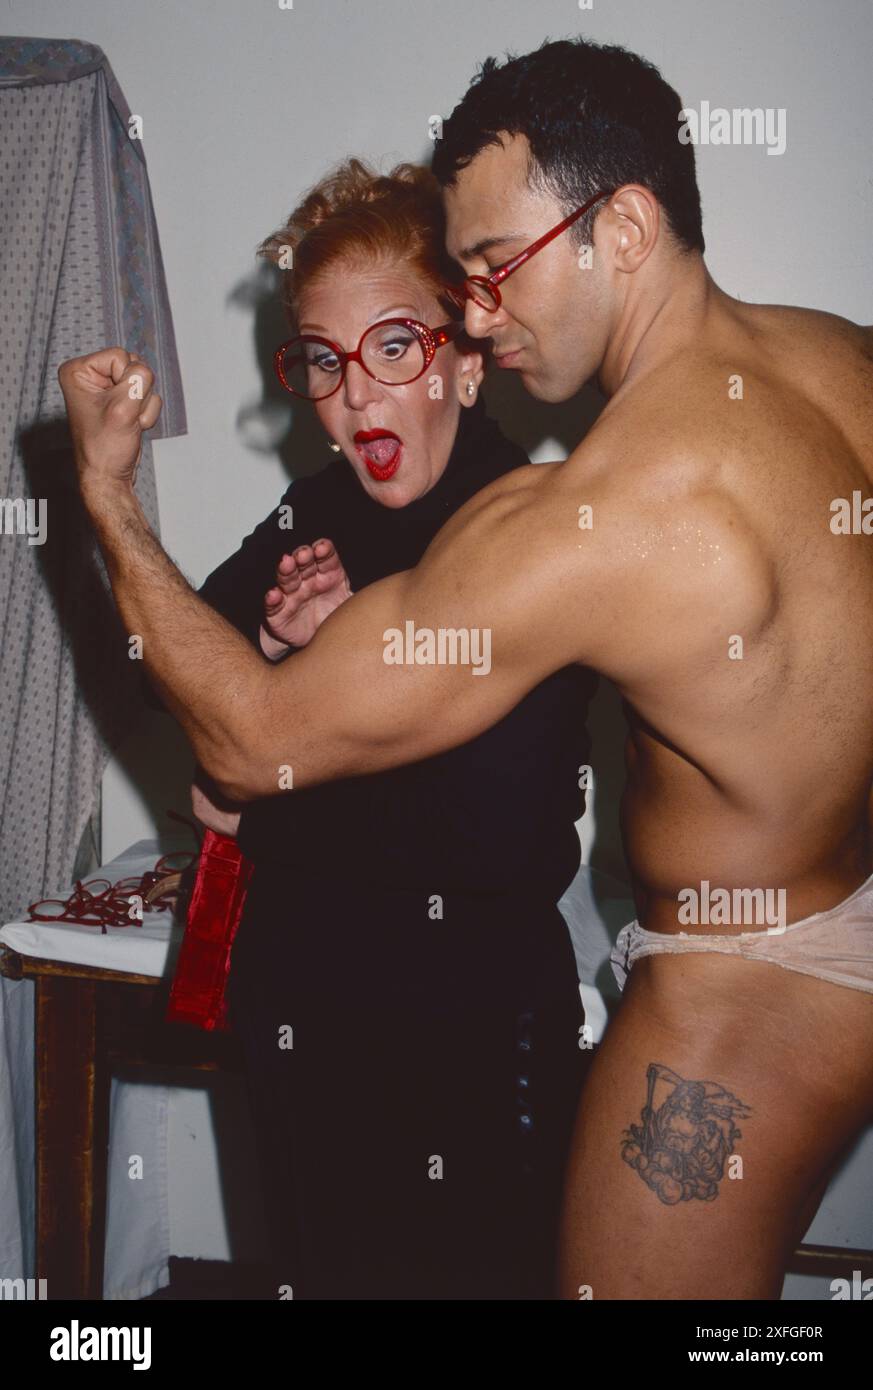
(310, 584)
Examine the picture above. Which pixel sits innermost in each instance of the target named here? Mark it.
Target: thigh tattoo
(681, 1146)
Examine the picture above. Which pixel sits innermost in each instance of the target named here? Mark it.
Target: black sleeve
(501, 809)
(236, 588)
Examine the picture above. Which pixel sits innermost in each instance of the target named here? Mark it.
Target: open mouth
(381, 451)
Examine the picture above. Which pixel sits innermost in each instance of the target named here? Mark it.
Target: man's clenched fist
(110, 401)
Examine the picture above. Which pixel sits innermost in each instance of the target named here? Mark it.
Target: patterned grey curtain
(80, 269)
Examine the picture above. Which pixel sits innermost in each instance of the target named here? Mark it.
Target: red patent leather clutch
(197, 994)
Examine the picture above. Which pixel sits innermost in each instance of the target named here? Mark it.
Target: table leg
(72, 1123)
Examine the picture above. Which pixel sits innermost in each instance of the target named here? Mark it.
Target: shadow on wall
(74, 577)
(273, 423)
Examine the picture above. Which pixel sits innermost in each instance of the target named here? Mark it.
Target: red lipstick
(381, 451)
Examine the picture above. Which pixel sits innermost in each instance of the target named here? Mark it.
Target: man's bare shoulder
(621, 555)
(666, 529)
(482, 513)
(812, 323)
(611, 506)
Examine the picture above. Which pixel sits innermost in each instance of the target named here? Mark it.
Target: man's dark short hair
(595, 117)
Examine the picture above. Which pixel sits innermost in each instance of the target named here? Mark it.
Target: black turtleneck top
(492, 819)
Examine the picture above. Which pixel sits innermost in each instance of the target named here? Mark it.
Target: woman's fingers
(304, 563)
(288, 577)
(331, 570)
(305, 558)
(327, 559)
(305, 573)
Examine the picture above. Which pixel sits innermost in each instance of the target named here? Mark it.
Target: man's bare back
(751, 765)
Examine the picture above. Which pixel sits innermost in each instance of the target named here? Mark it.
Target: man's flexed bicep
(415, 664)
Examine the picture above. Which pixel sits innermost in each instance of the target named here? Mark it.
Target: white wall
(244, 105)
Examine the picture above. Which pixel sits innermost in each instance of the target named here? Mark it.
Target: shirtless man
(717, 579)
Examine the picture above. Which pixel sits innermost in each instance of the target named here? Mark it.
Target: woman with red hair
(402, 983)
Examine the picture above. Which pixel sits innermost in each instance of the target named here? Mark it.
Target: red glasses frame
(430, 339)
(86, 906)
(459, 294)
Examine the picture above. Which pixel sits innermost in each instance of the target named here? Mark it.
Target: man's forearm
(207, 673)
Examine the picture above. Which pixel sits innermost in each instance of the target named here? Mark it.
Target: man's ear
(469, 375)
(635, 221)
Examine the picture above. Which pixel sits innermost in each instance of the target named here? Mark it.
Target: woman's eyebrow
(408, 309)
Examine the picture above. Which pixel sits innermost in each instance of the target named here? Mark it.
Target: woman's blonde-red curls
(357, 214)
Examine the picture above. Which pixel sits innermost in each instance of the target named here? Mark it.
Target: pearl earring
(337, 448)
(470, 388)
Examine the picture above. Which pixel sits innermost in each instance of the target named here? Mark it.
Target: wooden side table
(87, 1022)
